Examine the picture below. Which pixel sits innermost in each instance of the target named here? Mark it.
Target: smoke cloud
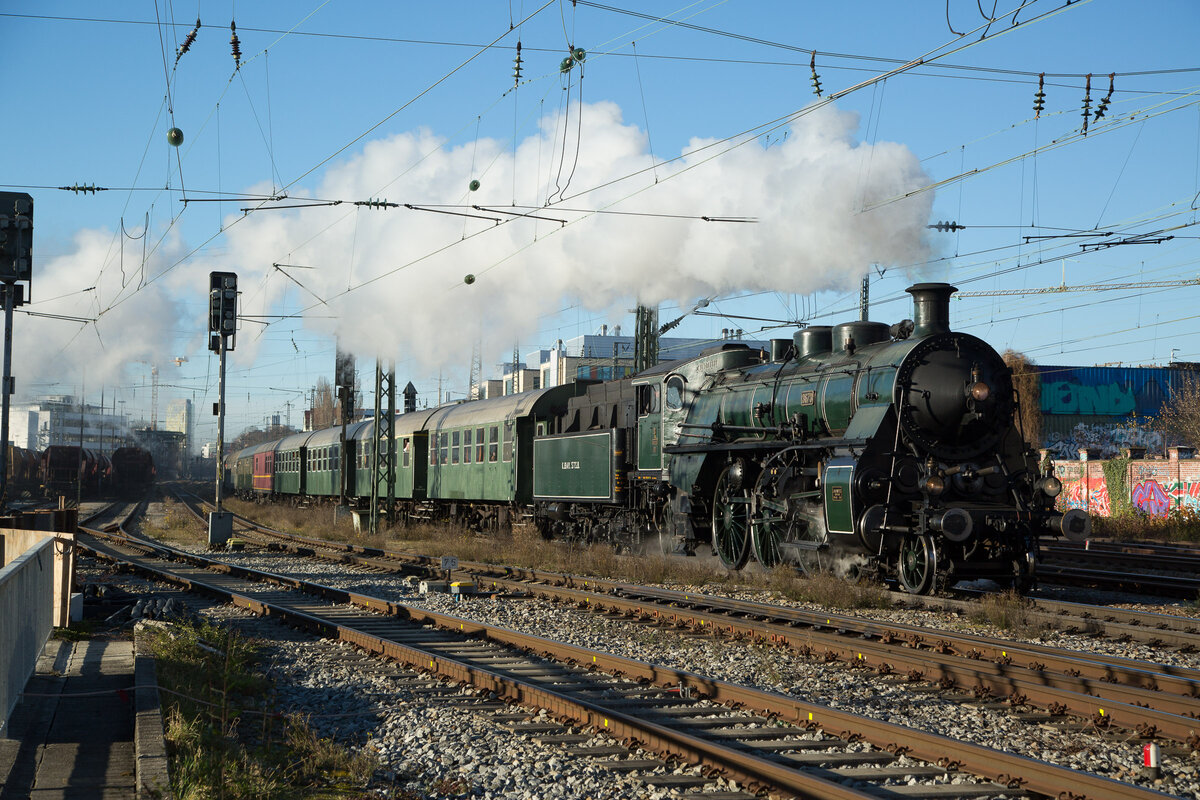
(390, 282)
(124, 341)
(381, 275)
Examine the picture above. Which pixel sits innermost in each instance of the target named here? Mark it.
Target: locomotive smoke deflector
(931, 307)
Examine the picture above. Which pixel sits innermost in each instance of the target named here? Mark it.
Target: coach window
(467, 446)
(675, 393)
(433, 451)
(508, 440)
(479, 440)
(493, 448)
(405, 451)
(455, 444)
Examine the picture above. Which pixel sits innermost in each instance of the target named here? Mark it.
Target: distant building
(166, 447)
(181, 419)
(56, 420)
(591, 357)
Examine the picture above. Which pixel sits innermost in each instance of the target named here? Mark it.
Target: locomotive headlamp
(934, 485)
(980, 391)
(1050, 486)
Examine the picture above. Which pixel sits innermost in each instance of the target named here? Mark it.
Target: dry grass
(177, 525)
(523, 546)
(828, 590)
(1007, 611)
(1181, 525)
(219, 743)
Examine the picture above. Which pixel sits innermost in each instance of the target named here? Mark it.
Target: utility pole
(344, 377)
(474, 390)
(645, 349)
(79, 469)
(383, 444)
(222, 327)
(16, 266)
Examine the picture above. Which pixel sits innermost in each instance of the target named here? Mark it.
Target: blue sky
(712, 114)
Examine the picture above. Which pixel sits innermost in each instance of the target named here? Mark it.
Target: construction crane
(154, 398)
(1087, 287)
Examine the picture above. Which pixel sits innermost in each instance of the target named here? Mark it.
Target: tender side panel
(579, 466)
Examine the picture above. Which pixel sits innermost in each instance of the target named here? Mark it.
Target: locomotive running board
(714, 447)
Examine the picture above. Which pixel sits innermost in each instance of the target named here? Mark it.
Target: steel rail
(1008, 769)
(1138, 582)
(1165, 701)
(1155, 629)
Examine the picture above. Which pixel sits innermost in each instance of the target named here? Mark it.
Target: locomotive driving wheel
(917, 565)
(766, 532)
(731, 518)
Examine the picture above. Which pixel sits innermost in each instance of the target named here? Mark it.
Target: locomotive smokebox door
(839, 496)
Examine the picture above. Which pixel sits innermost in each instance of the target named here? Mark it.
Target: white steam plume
(806, 193)
(57, 356)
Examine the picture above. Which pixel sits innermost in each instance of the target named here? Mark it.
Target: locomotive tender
(889, 451)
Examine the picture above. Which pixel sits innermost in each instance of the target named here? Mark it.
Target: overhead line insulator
(816, 79)
(1039, 99)
(84, 189)
(517, 66)
(235, 46)
(1103, 107)
(373, 203)
(187, 43)
(1087, 102)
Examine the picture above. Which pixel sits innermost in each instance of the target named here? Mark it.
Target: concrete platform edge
(150, 745)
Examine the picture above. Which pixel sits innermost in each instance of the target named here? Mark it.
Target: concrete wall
(26, 609)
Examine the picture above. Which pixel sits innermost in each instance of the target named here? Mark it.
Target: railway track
(766, 741)
(1147, 698)
(1151, 699)
(1154, 629)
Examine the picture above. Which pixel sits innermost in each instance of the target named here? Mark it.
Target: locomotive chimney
(931, 307)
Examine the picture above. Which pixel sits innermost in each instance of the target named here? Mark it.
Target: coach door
(649, 450)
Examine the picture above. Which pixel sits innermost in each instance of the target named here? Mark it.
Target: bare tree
(1179, 420)
(1028, 383)
(254, 435)
(324, 407)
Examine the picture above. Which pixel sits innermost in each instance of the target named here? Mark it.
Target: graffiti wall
(1065, 435)
(1106, 408)
(1156, 486)
(1084, 486)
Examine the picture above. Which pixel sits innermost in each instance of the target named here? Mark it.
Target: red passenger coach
(264, 471)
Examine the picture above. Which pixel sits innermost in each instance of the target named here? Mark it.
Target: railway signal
(222, 330)
(16, 267)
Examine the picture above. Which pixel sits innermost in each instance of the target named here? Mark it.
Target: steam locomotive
(862, 447)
